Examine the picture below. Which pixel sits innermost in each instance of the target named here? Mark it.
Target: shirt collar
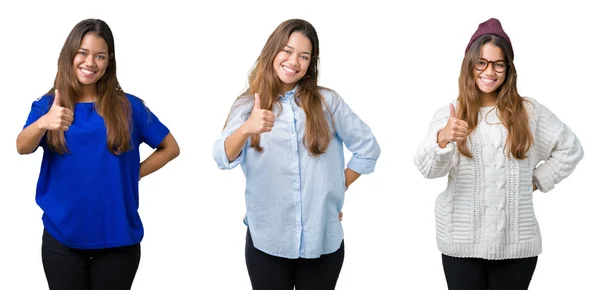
(289, 94)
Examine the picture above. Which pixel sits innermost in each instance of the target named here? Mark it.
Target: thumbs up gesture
(260, 120)
(455, 130)
(58, 118)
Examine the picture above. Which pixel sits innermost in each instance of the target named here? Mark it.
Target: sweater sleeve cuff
(542, 179)
(434, 150)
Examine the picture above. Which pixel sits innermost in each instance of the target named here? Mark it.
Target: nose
(293, 59)
(89, 60)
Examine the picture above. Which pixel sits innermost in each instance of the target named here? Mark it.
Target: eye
(500, 65)
(82, 53)
(481, 63)
(100, 57)
(287, 51)
(305, 57)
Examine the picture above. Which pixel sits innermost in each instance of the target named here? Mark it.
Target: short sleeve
(39, 108)
(151, 129)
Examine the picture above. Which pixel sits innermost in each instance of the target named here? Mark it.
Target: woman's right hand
(455, 130)
(58, 118)
(260, 120)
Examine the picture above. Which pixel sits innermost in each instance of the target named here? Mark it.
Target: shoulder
(535, 109)
(43, 103)
(44, 100)
(331, 97)
(135, 101)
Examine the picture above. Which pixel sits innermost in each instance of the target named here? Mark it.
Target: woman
(91, 131)
(288, 133)
(490, 143)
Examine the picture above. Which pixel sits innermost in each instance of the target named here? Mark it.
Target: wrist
(244, 129)
(441, 141)
(41, 123)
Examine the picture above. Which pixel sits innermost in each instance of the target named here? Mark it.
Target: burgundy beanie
(491, 26)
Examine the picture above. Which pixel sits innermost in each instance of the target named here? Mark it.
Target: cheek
(502, 79)
(279, 58)
(77, 60)
(475, 75)
(305, 66)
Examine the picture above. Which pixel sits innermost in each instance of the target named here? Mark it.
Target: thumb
(56, 98)
(452, 111)
(256, 101)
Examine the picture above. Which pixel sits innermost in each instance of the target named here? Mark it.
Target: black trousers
(481, 274)
(268, 272)
(74, 269)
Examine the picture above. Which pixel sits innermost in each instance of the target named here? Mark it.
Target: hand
(58, 118)
(534, 187)
(260, 120)
(455, 130)
(341, 216)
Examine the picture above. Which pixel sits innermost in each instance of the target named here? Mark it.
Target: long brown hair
(111, 103)
(509, 103)
(264, 80)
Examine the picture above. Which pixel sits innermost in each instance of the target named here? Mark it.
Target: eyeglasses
(499, 66)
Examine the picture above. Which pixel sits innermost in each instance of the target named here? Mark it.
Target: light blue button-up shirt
(293, 199)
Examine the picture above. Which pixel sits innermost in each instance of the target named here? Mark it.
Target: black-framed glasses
(499, 66)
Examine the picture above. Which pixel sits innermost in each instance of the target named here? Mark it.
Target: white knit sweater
(486, 210)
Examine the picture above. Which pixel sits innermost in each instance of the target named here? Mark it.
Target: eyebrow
(500, 59)
(295, 49)
(84, 49)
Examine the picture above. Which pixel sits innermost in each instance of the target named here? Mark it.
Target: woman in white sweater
(496, 148)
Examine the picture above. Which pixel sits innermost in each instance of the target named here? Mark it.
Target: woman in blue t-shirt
(288, 135)
(91, 131)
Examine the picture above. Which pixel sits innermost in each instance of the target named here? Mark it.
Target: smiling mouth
(288, 70)
(487, 81)
(87, 72)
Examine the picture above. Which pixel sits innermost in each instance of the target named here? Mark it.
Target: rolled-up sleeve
(238, 115)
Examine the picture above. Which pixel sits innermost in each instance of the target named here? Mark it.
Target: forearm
(351, 176)
(29, 139)
(166, 151)
(235, 143)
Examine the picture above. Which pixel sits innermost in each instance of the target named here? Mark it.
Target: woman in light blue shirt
(288, 134)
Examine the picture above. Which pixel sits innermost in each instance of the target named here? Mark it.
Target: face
(91, 59)
(485, 73)
(293, 60)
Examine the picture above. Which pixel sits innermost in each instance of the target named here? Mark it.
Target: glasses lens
(480, 65)
(500, 66)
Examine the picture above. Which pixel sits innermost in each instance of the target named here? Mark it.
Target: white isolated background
(395, 64)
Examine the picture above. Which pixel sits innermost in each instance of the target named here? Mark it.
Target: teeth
(487, 81)
(87, 72)
(288, 69)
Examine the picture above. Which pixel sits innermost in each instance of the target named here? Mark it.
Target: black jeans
(268, 272)
(481, 274)
(102, 269)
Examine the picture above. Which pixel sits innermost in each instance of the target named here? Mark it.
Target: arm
(42, 118)
(243, 121)
(351, 176)
(167, 150)
(560, 150)
(357, 137)
(235, 143)
(29, 139)
(434, 156)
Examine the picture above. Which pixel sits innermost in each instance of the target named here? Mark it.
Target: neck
(88, 93)
(286, 88)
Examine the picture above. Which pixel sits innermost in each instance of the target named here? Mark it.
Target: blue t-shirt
(89, 196)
